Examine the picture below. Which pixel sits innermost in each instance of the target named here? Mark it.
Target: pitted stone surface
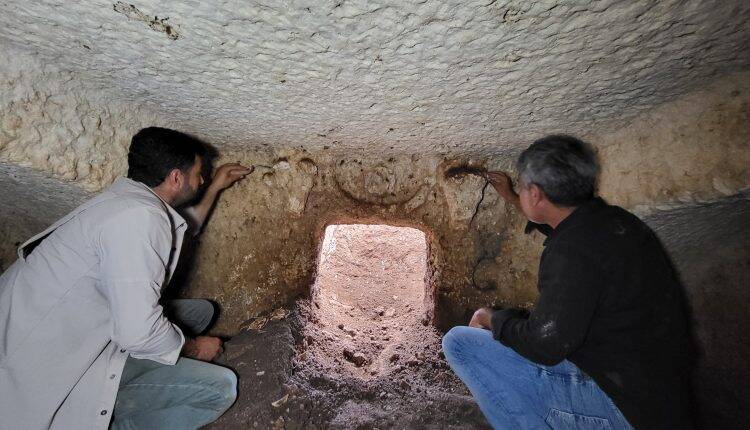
(463, 195)
(57, 122)
(447, 76)
(407, 89)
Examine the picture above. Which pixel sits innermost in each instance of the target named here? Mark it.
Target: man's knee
(450, 340)
(219, 381)
(470, 342)
(205, 312)
(194, 316)
(227, 386)
(454, 340)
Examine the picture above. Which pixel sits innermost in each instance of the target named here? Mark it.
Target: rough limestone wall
(57, 122)
(61, 138)
(694, 149)
(260, 248)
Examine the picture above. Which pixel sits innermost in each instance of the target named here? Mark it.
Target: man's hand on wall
(204, 348)
(502, 183)
(482, 318)
(224, 176)
(228, 174)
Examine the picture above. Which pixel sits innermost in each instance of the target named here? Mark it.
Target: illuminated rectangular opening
(369, 296)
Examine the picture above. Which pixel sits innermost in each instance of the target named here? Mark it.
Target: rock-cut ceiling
(445, 76)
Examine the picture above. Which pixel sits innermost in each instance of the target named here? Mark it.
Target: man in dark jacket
(606, 344)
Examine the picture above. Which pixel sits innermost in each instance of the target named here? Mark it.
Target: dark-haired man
(606, 344)
(83, 336)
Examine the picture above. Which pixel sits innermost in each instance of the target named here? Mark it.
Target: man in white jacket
(82, 303)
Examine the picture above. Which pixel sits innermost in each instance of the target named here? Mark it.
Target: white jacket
(74, 307)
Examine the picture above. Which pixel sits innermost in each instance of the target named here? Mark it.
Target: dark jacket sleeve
(500, 317)
(569, 289)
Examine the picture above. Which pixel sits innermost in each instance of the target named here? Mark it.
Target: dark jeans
(187, 395)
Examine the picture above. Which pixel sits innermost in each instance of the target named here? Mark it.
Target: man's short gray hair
(564, 167)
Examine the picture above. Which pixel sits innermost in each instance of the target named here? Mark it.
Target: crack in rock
(479, 203)
(156, 24)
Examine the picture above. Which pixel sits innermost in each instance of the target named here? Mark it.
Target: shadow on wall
(710, 247)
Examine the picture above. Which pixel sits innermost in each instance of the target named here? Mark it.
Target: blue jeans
(188, 395)
(515, 393)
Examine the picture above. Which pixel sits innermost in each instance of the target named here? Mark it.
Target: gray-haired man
(606, 344)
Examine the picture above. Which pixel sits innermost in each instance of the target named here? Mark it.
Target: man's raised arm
(224, 176)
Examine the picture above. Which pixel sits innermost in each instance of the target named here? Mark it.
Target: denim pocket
(559, 420)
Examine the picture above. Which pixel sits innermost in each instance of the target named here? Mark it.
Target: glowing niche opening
(369, 295)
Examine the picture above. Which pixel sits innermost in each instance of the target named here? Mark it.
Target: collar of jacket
(128, 185)
(580, 212)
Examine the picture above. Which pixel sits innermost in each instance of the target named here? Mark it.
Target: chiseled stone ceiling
(445, 76)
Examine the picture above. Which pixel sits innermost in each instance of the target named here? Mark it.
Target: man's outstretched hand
(228, 174)
(203, 348)
(224, 176)
(502, 183)
(482, 318)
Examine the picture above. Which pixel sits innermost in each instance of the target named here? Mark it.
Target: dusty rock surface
(352, 112)
(369, 300)
(282, 386)
(449, 75)
(259, 249)
(357, 356)
(257, 253)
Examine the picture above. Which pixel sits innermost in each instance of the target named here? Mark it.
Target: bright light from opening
(370, 286)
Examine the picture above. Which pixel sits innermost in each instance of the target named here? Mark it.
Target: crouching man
(606, 344)
(83, 336)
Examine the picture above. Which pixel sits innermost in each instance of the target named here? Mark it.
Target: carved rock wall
(63, 137)
(710, 246)
(377, 75)
(56, 122)
(694, 149)
(479, 254)
(261, 247)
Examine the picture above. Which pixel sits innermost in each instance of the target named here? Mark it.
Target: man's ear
(536, 194)
(175, 179)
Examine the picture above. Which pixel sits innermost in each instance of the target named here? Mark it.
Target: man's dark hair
(564, 167)
(156, 151)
